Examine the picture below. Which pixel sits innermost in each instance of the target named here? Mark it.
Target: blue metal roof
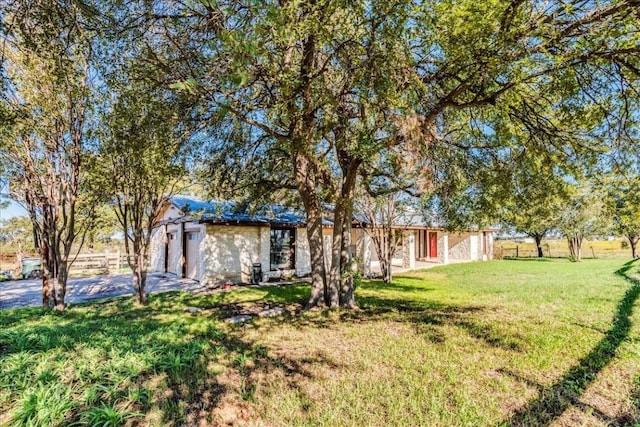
(227, 212)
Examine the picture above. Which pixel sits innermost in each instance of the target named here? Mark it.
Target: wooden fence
(100, 263)
(88, 263)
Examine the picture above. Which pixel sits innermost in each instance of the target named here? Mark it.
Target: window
(193, 236)
(283, 249)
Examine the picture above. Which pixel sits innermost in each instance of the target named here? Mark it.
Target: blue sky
(12, 210)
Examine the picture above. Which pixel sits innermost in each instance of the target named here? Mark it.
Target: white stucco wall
(489, 254)
(474, 249)
(265, 250)
(228, 253)
(156, 251)
(194, 249)
(443, 248)
(409, 249)
(175, 249)
(359, 252)
(303, 255)
(368, 252)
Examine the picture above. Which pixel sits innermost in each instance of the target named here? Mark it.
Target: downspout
(184, 251)
(166, 249)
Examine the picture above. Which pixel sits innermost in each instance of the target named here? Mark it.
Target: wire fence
(560, 249)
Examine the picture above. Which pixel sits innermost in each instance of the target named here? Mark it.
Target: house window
(283, 249)
(193, 236)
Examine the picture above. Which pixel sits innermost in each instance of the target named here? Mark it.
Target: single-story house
(214, 243)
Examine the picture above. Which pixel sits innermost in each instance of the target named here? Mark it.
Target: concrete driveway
(28, 293)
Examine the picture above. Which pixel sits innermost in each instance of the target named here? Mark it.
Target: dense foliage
(455, 102)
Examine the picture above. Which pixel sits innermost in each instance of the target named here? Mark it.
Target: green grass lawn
(528, 342)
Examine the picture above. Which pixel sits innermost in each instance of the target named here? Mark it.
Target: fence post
(118, 262)
(517, 251)
(106, 261)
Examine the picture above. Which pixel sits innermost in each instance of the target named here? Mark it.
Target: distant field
(511, 342)
(557, 248)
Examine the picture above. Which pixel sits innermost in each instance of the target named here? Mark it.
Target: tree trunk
(339, 219)
(388, 243)
(63, 274)
(46, 276)
(316, 250)
(633, 242)
(307, 190)
(385, 269)
(575, 247)
(140, 279)
(347, 266)
(538, 240)
(350, 172)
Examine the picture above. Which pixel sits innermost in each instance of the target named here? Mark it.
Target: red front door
(433, 244)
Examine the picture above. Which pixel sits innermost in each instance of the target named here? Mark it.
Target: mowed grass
(528, 342)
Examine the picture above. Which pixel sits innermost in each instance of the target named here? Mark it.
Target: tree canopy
(480, 108)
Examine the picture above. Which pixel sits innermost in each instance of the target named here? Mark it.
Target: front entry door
(433, 244)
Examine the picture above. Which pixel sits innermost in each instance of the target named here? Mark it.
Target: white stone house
(212, 243)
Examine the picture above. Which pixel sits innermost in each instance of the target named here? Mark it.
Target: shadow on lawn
(427, 316)
(175, 380)
(554, 400)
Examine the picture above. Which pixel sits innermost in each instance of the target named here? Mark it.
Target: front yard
(529, 342)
